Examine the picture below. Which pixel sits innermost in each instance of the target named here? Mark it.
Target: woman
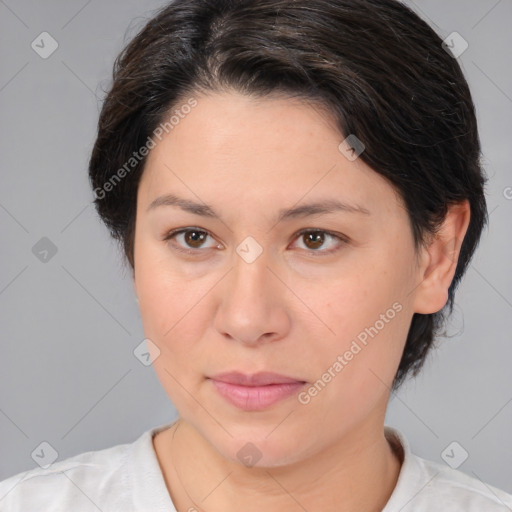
(297, 190)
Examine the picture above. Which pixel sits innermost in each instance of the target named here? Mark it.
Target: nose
(252, 307)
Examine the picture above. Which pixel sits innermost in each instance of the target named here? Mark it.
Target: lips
(258, 379)
(255, 392)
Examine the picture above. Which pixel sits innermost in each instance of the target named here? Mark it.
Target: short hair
(375, 65)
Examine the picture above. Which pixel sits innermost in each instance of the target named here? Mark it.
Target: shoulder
(71, 484)
(460, 491)
(424, 485)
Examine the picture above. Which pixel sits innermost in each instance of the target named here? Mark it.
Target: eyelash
(343, 239)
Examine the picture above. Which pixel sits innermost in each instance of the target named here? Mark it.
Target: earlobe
(440, 260)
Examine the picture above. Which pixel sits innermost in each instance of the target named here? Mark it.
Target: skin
(290, 311)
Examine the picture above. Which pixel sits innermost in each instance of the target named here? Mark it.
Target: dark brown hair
(377, 67)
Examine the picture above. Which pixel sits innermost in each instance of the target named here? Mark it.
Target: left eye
(314, 239)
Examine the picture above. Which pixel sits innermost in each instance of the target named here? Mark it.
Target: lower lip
(256, 398)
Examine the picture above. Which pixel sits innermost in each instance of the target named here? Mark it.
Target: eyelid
(173, 233)
(343, 239)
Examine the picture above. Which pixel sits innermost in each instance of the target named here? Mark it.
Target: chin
(254, 447)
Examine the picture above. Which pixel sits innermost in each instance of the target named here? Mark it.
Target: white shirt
(127, 478)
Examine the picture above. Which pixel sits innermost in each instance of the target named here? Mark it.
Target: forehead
(245, 149)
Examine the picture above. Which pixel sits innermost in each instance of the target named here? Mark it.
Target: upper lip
(257, 379)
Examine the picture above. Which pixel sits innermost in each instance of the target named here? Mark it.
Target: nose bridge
(250, 277)
(250, 305)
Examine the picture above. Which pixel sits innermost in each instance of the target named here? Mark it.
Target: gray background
(69, 326)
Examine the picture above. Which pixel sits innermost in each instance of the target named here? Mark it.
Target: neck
(358, 473)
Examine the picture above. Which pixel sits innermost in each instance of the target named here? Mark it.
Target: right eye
(191, 239)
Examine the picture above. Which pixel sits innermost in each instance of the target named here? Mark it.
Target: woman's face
(242, 290)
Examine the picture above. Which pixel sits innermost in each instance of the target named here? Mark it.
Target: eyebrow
(316, 208)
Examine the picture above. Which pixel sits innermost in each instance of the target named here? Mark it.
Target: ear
(439, 260)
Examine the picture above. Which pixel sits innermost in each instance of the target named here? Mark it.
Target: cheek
(173, 305)
(356, 368)
(173, 318)
(160, 294)
(169, 309)
(352, 302)
(370, 314)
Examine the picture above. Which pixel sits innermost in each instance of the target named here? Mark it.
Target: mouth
(255, 392)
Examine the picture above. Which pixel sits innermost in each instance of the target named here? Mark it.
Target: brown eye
(192, 240)
(195, 238)
(314, 240)
(189, 240)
